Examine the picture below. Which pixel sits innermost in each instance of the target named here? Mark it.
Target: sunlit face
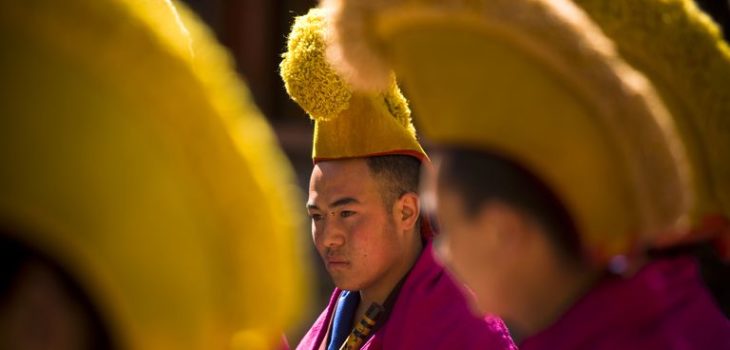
(352, 229)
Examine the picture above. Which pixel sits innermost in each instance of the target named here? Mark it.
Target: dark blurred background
(255, 33)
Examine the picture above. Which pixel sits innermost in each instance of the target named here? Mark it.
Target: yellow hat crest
(536, 81)
(348, 123)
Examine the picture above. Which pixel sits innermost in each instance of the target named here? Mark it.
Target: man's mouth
(334, 263)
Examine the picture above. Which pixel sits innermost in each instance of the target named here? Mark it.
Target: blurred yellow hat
(348, 123)
(536, 81)
(682, 52)
(133, 155)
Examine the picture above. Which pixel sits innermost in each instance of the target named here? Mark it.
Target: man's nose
(332, 234)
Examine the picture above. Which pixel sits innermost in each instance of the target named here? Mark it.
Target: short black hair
(479, 177)
(396, 174)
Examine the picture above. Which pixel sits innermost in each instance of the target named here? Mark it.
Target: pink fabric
(429, 313)
(664, 306)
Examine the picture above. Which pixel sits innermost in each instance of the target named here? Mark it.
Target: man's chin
(342, 283)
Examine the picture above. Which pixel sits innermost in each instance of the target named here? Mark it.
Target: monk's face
(352, 229)
(482, 248)
(464, 248)
(496, 251)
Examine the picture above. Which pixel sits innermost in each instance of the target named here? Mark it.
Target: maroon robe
(429, 313)
(665, 306)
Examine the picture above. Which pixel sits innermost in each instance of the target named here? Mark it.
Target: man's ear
(407, 211)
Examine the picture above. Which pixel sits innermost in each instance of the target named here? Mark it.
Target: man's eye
(316, 217)
(346, 213)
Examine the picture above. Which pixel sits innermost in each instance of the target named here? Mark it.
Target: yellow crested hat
(535, 81)
(348, 123)
(682, 52)
(133, 156)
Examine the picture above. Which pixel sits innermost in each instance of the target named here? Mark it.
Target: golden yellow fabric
(133, 155)
(348, 123)
(536, 81)
(682, 52)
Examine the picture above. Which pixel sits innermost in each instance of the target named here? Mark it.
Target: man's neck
(545, 307)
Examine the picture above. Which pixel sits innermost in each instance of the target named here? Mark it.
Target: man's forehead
(340, 173)
(333, 180)
(322, 189)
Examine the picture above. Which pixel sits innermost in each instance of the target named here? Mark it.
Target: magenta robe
(429, 313)
(664, 306)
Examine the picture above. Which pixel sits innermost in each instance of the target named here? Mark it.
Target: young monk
(366, 216)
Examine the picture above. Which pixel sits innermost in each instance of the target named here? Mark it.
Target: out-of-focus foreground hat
(535, 81)
(134, 157)
(682, 52)
(348, 123)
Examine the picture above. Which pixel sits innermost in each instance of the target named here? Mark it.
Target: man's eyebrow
(344, 201)
(338, 203)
